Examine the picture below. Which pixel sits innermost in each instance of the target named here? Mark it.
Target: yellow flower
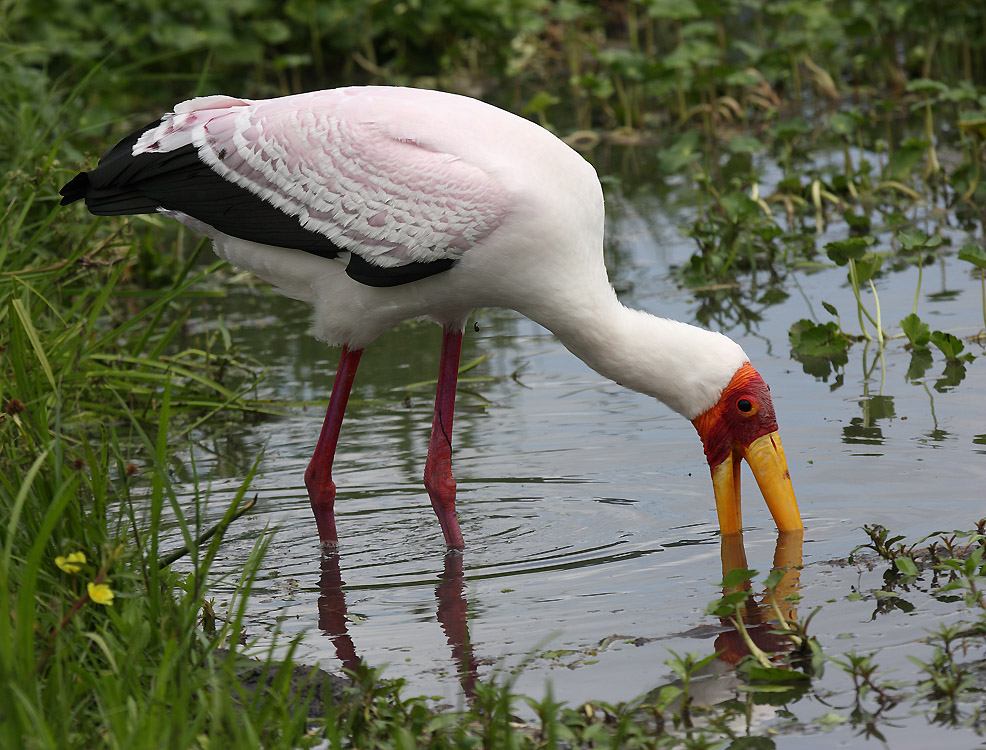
(73, 563)
(100, 593)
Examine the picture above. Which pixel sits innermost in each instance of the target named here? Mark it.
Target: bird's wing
(350, 174)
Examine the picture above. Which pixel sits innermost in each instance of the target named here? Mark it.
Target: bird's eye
(747, 407)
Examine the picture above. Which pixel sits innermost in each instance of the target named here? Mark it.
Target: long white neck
(679, 364)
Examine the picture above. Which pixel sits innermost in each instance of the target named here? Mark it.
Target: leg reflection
(452, 616)
(332, 611)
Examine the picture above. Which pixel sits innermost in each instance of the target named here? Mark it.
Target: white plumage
(337, 159)
(486, 208)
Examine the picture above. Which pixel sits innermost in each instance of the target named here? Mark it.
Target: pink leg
(318, 475)
(438, 467)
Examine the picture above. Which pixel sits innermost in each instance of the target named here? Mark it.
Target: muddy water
(587, 509)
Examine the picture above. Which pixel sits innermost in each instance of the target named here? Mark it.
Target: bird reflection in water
(451, 596)
(718, 680)
(332, 611)
(758, 617)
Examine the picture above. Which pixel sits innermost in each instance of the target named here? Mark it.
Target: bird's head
(741, 425)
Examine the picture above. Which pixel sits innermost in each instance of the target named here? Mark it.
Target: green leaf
(745, 144)
(926, 86)
(917, 332)
(853, 248)
(684, 151)
(867, 267)
(785, 689)
(830, 309)
(820, 348)
(973, 254)
(540, 102)
(739, 206)
(736, 576)
(667, 695)
(767, 230)
(775, 674)
(727, 604)
(272, 31)
(752, 743)
(831, 719)
(817, 339)
(921, 360)
(774, 578)
(693, 53)
(974, 122)
(911, 240)
(902, 163)
(842, 124)
(860, 222)
(906, 565)
(951, 346)
(791, 128)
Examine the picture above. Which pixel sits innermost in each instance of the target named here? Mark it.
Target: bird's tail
(75, 189)
(109, 201)
(108, 189)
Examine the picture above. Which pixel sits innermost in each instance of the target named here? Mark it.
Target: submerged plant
(863, 266)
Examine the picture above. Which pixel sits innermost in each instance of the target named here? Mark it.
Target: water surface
(587, 509)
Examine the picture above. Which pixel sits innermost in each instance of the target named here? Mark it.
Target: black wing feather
(178, 180)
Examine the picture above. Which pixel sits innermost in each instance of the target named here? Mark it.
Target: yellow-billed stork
(379, 204)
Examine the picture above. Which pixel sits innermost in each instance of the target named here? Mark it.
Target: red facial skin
(726, 423)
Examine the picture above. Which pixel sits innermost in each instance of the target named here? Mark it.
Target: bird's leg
(318, 475)
(438, 467)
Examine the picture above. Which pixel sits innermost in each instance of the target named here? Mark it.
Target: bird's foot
(441, 489)
(330, 548)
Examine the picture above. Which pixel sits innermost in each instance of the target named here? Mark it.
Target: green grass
(94, 389)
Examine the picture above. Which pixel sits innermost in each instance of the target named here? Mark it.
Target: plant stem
(917, 293)
(933, 168)
(876, 301)
(755, 650)
(982, 282)
(883, 371)
(859, 303)
(219, 528)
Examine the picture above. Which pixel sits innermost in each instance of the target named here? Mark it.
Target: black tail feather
(106, 189)
(75, 189)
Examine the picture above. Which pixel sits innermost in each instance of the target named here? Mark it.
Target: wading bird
(377, 204)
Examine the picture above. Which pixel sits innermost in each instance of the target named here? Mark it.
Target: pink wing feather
(346, 170)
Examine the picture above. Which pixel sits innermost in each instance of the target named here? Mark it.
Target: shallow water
(587, 509)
